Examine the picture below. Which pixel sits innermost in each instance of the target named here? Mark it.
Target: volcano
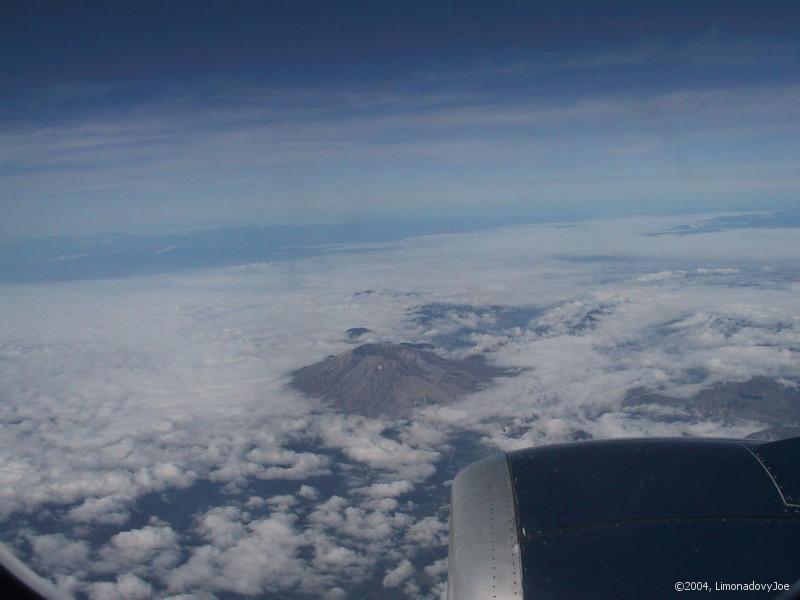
(392, 379)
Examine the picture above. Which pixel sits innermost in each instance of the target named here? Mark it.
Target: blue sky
(147, 116)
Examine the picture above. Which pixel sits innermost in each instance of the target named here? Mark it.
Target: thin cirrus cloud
(277, 113)
(288, 155)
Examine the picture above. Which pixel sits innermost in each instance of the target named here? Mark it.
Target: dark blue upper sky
(124, 116)
(157, 46)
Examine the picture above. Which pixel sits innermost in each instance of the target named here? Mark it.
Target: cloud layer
(150, 444)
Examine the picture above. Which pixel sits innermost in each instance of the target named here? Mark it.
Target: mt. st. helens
(388, 379)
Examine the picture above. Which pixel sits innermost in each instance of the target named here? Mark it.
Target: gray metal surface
(35, 583)
(484, 560)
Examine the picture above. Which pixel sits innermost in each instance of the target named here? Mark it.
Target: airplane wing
(18, 582)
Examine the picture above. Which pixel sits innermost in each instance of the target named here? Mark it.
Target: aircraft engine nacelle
(627, 519)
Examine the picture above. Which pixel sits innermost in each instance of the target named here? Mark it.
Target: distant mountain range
(388, 379)
(759, 399)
